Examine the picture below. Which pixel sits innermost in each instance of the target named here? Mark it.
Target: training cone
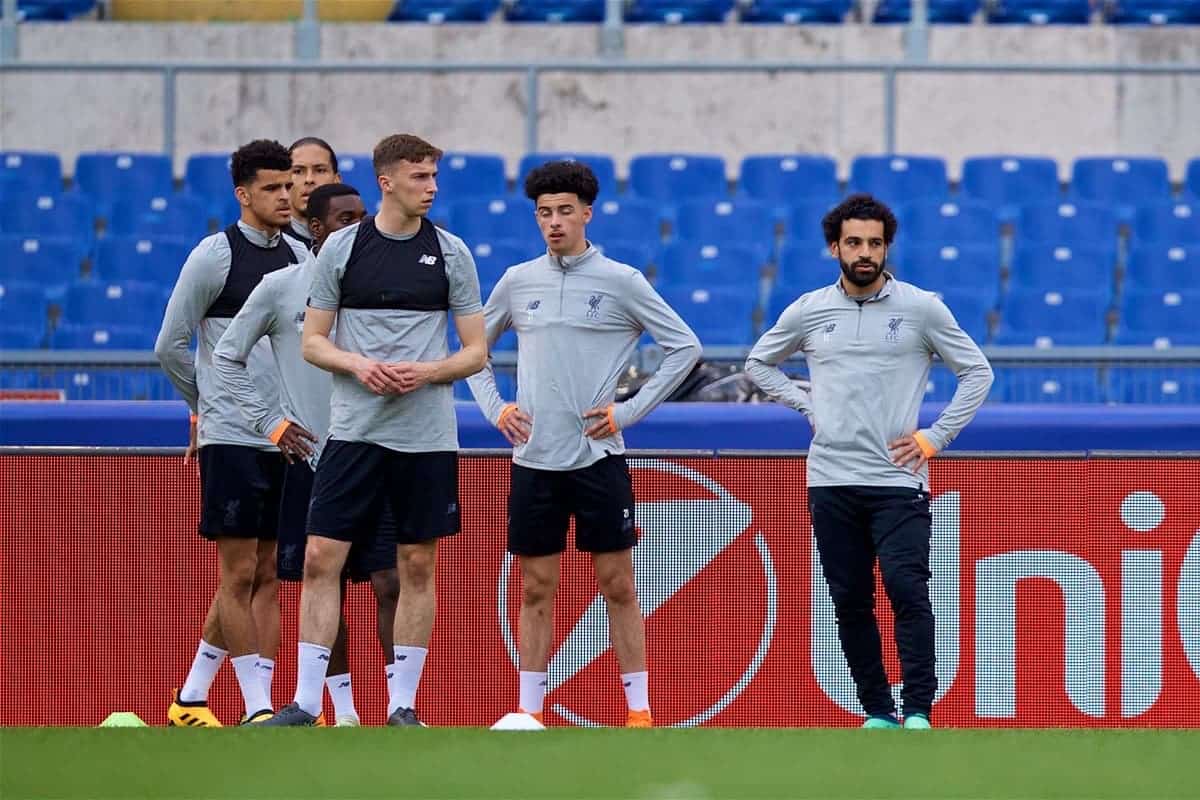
(122, 719)
(518, 722)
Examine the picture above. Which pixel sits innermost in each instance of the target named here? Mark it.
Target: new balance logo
(627, 684)
(427, 260)
(322, 657)
(344, 684)
(401, 658)
(211, 656)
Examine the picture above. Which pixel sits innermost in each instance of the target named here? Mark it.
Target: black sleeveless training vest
(407, 274)
(247, 266)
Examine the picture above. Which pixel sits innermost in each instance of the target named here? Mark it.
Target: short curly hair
(562, 177)
(259, 154)
(859, 206)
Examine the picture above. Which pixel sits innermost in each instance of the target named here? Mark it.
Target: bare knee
(415, 565)
(237, 578)
(618, 588)
(537, 590)
(321, 560)
(386, 585)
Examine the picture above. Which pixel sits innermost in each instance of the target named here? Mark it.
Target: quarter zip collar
(257, 237)
(565, 263)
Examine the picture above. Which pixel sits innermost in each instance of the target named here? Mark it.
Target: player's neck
(394, 220)
(254, 222)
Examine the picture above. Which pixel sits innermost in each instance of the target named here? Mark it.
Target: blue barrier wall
(692, 426)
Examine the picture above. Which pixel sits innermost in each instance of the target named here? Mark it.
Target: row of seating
(1035, 12)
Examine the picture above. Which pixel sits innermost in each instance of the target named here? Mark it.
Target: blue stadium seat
(180, 216)
(105, 177)
(1153, 12)
(899, 179)
(358, 170)
(1163, 267)
(23, 305)
(972, 310)
(49, 261)
(678, 11)
(720, 316)
(805, 265)
(1168, 223)
(1044, 266)
(940, 386)
(628, 219)
(796, 12)
(942, 12)
(1191, 180)
(53, 10)
(950, 221)
(17, 337)
(1161, 318)
(141, 259)
(783, 294)
(68, 215)
(27, 172)
(726, 221)
(784, 180)
(499, 219)
(1036, 318)
(1049, 384)
(101, 303)
(555, 11)
(639, 255)
(944, 267)
(1008, 182)
(437, 11)
(1067, 223)
(1157, 385)
(471, 175)
(1124, 183)
(672, 177)
(804, 219)
(705, 266)
(207, 176)
(1040, 12)
(602, 167)
(103, 337)
(493, 258)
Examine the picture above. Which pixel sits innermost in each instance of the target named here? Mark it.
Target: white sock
(392, 687)
(253, 693)
(407, 668)
(266, 673)
(637, 690)
(342, 694)
(204, 669)
(533, 691)
(313, 663)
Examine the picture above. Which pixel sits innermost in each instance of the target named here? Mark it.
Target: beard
(860, 279)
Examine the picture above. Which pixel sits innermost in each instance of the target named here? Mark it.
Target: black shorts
(357, 481)
(364, 559)
(541, 502)
(240, 488)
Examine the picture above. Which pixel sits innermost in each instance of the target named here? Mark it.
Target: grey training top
(578, 320)
(299, 227)
(868, 364)
(275, 309)
(420, 421)
(200, 283)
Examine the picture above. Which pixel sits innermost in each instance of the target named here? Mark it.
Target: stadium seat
(359, 171)
(1067, 223)
(1162, 267)
(500, 219)
(639, 255)
(1040, 12)
(944, 267)
(555, 11)
(804, 219)
(602, 167)
(972, 310)
(101, 303)
(53, 10)
(18, 337)
(67, 215)
(950, 221)
(670, 178)
(1168, 223)
(1047, 267)
(704, 266)
(107, 177)
(1007, 182)
(207, 177)
(140, 258)
(720, 316)
(1036, 318)
(1159, 318)
(493, 258)
(726, 221)
(942, 383)
(1124, 183)
(784, 180)
(35, 173)
(1191, 180)
(1049, 384)
(899, 179)
(941, 12)
(628, 219)
(101, 337)
(796, 12)
(1160, 385)
(180, 216)
(1153, 12)
(471, 175)
(49, 261)
(806, 265)
(678, 11)
(23, 305)
(438, 11)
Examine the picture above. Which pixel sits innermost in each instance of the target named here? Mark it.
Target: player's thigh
(601, 497)
(422, 493)
(539, 512)
(842, 529)
(239, 490)
(348, 491)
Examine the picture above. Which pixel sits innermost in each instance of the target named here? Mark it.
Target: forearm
(322, 353)
(974, 383)
(231, 369)
(463, 364)
(674, 368)
(778, 386)
(487, 395)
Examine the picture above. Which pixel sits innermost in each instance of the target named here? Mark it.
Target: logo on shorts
(594, 306)
(893, 334)
(231, 513)
(427, 260)
(452, 509)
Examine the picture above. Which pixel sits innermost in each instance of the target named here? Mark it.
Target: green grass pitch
(565, 763)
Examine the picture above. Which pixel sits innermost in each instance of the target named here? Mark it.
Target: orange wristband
(280, 429)
(927, 450)
(194, 418)
(504, 412)
(612, 421)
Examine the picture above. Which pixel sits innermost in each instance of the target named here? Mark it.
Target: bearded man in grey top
(390, 282)
(869, 340)
(578, 317)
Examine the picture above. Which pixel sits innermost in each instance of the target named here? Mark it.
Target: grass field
(706, 763)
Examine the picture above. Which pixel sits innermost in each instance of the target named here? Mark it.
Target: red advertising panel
(1067, 593)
